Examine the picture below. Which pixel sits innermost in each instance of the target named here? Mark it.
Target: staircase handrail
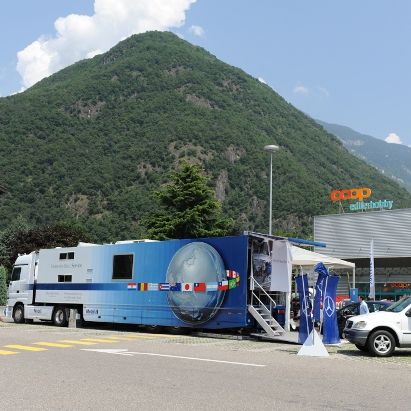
(265, 292)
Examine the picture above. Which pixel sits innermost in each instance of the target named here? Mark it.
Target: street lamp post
(271, 149)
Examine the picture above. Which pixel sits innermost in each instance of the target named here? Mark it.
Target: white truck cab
(20, 293)
(380, 332)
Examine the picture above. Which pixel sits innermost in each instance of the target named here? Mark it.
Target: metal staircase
(262, 314)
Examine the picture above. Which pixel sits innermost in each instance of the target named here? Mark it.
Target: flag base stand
(313, 346)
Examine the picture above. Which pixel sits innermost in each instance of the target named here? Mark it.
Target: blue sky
(342, 62)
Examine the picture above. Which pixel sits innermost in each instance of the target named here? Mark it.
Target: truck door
(18, 288)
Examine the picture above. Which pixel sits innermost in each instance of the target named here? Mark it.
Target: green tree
(3, 286)
(8, 238)
(188, 208)
(26, 240)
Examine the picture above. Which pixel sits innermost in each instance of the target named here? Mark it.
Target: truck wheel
(381, 343)
(362, 348)
(60, 317)
(18, 314)
(154, 328)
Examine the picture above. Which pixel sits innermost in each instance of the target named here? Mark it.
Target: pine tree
(188, 208)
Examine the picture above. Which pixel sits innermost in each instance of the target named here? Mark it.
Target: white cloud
(393, 138)
(300, 89)
(197, 31)
(261, 80)
(78, 36)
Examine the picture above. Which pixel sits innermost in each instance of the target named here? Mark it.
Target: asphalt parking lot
(45, 367)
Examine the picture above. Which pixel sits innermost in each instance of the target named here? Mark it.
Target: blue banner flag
(330, 326)
(319, 287)
(306, 322)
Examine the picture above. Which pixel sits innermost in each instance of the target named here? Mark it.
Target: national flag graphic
(152, 286)
(186, 286)
(223, 285)
(212, 286)
(232, 274)
(199, 287)
(142, 286)
(132, 286)
(164, 287)
(175, 286)
(232, 283)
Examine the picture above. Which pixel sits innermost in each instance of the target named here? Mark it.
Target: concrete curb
(220, 336)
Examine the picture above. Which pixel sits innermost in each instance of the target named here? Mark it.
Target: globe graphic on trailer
(196, 263)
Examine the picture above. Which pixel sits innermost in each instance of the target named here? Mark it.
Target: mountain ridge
(92, 142)
(393, 160)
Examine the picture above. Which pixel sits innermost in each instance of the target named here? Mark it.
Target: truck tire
(154, 328)
(381, 343)
(60, 317)
(18, 314)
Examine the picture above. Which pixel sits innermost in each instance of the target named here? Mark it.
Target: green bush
(3, 285)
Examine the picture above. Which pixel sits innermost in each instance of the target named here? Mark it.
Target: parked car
(343, 314)
(380, 332)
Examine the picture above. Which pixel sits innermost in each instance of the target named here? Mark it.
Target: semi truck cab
(20, 293)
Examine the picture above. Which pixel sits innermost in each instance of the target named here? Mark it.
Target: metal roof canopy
(293, 240)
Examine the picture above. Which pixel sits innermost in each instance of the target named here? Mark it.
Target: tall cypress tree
(188, 208)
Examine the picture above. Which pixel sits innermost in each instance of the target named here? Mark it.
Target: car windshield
(400, 305)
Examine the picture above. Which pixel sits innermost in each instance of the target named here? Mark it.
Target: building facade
(348, 236)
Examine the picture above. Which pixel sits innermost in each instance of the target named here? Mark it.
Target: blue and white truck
(197, 283)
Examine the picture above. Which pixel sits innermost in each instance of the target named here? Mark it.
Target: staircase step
(266, 321)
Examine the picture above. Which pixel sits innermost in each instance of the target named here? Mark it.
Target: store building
(348, 236)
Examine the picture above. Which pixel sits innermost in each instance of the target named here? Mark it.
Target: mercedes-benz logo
(306, 306)
(329, 306)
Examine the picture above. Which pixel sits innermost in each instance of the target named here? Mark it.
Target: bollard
(74, 319)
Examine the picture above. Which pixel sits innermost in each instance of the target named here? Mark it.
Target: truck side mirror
(408, 313)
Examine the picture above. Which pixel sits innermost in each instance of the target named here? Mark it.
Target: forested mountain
(91, 143)
(393, 160)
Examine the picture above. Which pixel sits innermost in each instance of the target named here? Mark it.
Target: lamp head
(271, 148)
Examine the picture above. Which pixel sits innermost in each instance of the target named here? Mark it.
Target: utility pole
(271, 149)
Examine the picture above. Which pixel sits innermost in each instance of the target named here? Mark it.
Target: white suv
(380, 332)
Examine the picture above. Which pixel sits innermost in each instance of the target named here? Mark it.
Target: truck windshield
(400, 305)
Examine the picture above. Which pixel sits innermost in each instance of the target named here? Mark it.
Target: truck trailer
(205, 283)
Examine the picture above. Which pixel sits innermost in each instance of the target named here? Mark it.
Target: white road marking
(131, 353)
(109, 351)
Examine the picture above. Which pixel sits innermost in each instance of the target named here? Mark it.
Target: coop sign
(360, 194)
(351, 194)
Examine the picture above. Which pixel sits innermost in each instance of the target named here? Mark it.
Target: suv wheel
(381, 343)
